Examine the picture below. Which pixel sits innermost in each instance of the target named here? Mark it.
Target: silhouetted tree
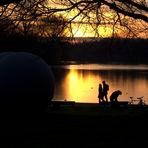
(121, 15)
(3, 2)
(126, 17)
(32, 17)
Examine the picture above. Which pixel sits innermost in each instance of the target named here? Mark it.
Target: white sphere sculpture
(26, 82)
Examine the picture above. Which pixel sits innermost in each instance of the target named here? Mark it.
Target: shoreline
(82, 104)
(71, 108)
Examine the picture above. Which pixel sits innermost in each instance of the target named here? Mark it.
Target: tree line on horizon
(34, 26)
(108, 50)
(54, 50)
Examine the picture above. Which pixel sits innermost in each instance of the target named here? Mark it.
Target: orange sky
(86, 30)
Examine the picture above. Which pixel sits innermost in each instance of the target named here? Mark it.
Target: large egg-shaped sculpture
(26, 82)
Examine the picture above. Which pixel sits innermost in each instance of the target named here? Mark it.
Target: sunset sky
(105, 23)
(81, 27)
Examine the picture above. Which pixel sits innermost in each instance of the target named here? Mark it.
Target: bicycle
(138, 99)
(141, 101)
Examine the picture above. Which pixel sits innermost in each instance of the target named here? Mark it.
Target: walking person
(105, 91)
(100, 93)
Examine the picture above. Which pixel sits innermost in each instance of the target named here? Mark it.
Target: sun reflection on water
(82, 87)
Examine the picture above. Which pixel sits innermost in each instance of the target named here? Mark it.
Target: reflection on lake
(80, 82)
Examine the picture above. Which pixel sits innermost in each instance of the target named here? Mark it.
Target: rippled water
(79, 82)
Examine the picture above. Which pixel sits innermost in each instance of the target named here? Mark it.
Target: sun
(84, 31)
(79, 32)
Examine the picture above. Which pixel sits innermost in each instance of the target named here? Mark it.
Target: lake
(79, 82)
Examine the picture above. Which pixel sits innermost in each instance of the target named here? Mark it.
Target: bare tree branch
(124, 12)
(3, 2)
(92, 13)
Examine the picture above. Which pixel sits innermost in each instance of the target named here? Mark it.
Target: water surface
(79, 82)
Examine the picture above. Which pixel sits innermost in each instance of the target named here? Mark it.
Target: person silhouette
(114, 96)
(100, 93)
(105, 90)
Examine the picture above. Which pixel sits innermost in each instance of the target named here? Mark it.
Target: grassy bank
(79, 125)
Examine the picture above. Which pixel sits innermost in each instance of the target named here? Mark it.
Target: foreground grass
(78, 125)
